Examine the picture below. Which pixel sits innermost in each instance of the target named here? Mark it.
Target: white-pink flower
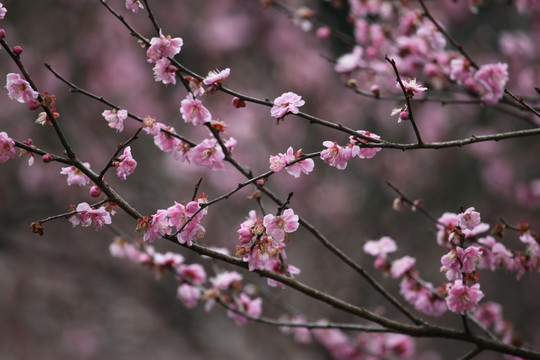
(165, 72)
(469, 219)
(215, 76)
(360, 151)
(381, 247)
(126, 164)
(7, 147)
(189, 295)
(349, 62)
(277, 226)
(3, 11)
(87, 216)
(20, 89)
(163, 140)
(280, 161)
(248, 306)
(288, 102)
(401, 266)
(412, 87)
(193, 111)
(163, 46)
(159, 226)
(492, 78)
(208, 153)
(336, 155)
(463, 298)
(223, 280)
(134, 5)
(75, 176)
(115, 118)
(194, 272)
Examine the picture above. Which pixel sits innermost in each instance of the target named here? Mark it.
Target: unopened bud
(399, 204)
(238, 103)
(17, 50)
(404, 115)
(47, 158)
(324, 32)
(375, 89)
(2, 34)
(95, 191)
(33, 105)
(261, 183)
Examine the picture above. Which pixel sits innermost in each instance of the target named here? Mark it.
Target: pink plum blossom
(165, 72)
(194, 273)
(7, 147)
(163, 47)
(492, 78)
(305, 166)
(462, 298)
(349, 62)
(115, 118)
(381, 247)
(336, 155)
(163, 140)
(189, 295)
(251, 307)
(3, 11)
(288, 102)
(412, 87)
(134, 5)
(193, 111)
(280, 161)
(19, 89)
(179, 215)
(250, 228)
(215, 76)
(401, 266)
(277, 226)
(460, 69)
(224, 280)
(168, 259)
(86, 216)
(360, 151)
(277, 162)
(208, 153)
(159, 226)
(469, 219)
(126, 164)
(75, 176)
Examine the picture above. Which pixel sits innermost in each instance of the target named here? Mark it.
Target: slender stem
(407, 99)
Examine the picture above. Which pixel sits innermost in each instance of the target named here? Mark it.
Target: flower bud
(2, 34)
(95, 191)
(47, 158)
(33, 105)
(324, 32)
(404, 115)
(238, 103)
(17, 50)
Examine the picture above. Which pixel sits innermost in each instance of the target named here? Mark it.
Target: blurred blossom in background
(64, 297)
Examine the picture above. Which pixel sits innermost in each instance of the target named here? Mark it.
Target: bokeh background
(62, 296)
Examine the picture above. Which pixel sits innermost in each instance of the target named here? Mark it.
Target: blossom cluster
(416, 46)
(86, 216)
(263, 242)
(207, 153)
(185, 218)
(337, 156)
(282, 161)
(226, 286)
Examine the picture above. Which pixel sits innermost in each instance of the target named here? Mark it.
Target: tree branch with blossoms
(419, 50)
